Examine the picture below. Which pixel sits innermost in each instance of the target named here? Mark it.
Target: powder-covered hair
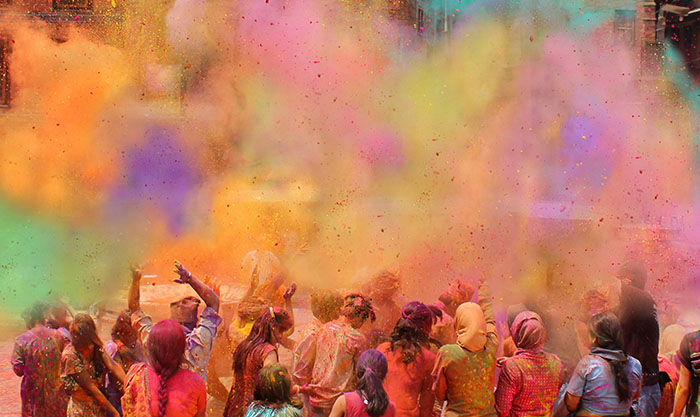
(326, 305)
(358, 306)
(36, 314)
(605, 328)
(273, 386)
(411, 330)
(83, 332)
(166, 349)
(123, 331)
(371, 370)
(261, 332)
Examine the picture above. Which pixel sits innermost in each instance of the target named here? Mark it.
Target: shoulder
(69, 353)
(449, 350)
(390, 409)
(190, 378)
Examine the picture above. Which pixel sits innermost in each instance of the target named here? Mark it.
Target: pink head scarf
(528, 332)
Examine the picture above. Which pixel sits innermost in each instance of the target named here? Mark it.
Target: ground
(9, 383)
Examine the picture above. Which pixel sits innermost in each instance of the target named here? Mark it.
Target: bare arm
(205, 293)
(135, 290)
(339, 407)
(572, 402)
(682, 392)
(113, 367)
(86, 384)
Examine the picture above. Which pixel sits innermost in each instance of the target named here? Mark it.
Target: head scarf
(470, 324)
(528, 332)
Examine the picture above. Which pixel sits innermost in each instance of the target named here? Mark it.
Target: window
(624, 26)
(72, 4)
(4, 71)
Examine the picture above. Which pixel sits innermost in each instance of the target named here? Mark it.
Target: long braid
(166, 348)
(163, 377)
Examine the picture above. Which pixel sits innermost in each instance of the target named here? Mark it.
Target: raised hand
(214, 284)
(136, 273)
(290, 291)
(184, 275)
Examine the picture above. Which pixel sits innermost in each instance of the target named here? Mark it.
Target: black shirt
(640, 330)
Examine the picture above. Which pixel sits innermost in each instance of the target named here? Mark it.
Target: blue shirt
(593, 380)
(260, 410)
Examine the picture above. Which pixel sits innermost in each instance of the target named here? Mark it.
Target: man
(338, 345)
(200, 329)
(640, 332)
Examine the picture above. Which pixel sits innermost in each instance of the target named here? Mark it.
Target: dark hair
(261, 332)
(166, 348)
(437, 313)
(605, 328)
(371, 370)
(635, 272)
(410, 331)
(36, 314)
(123, 331)
(273, 386)
(358, 306)
(83, 332)
(326, 305)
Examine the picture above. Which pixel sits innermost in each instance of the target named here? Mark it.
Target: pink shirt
(410, 386)
(355, 406)
(187, 393)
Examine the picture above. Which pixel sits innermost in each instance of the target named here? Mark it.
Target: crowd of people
(361, 355)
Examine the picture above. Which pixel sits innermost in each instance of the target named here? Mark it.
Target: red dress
(355, 406)
(241, 394)
(409, 386)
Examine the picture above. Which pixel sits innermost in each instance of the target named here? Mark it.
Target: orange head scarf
(470, 324)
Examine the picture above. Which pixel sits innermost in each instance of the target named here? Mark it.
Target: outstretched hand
(184, 275)
(290, 291)
(136, 273)
(214, 284)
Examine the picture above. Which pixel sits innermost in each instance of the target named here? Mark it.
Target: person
(592, 302)
(529, 380)
(369, 399)
(670, 341)
(338, 344)
(272, 397)
(508, 346)
(325, 307)
(36, 358)
(162, 388)
(257, 350)
(84, 364)
(381, 290)
(410, 362)
(464, 372)
(457, 293)
(686, 397)
(59, 318)
(200, 332)
(606, 381)
(640, 333)
(669, 381)
(125, 350)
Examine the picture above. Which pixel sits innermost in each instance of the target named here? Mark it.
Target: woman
(37, 359)
(84, 365)
(257, 350)
(369, 398)
(408, 381)
(163, 388)
(530, 379)
(272, 396)
(465, 372)
(607, 380)
(125, 350)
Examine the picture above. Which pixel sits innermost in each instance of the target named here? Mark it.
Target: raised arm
(134, 299)
(205, 293)
(486, 303)
(288, 294)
